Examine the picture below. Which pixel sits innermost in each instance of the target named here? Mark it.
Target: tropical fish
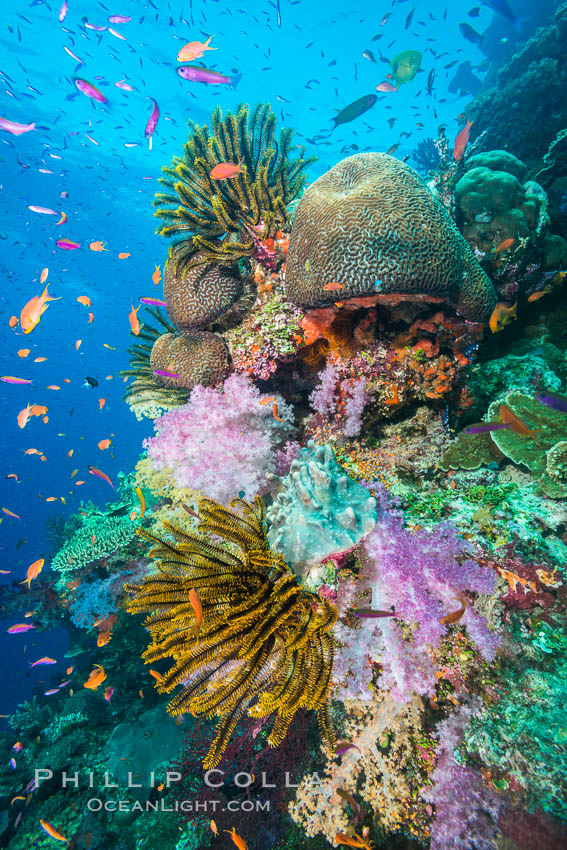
(51, 831)
(225, 170)
(556, 402)
(354, 109)
(151, 125)
(43, 661)
(19, 628)
(204, 75)
(352, 841)
(91, 91)
(405, 66)
(371, 614)
(98, 246)
(94, 471)
(502, 315)
(67, 244)
(386, 87)
(42, 210)
(198, 609)
(240, 842)
(342, 747)
(23, 352)
(194, 50)
(63, 218)
(123, 256)
(156, 276)
(104, 637)
(504, 245)
(96, 678)
(108, 693)
(34, 309)
(14, 128)
(471, 34)
(8, 379)
(333, 286)
(462, 141)
(133, 319)
(455, 616)
(214, 828)
(165, 374)
(484, 427)
(84, 300)
(122, 84)
(535, 296)
(23, 416)
(155, 302)
(517, 425)
(352, 803)
(104, 444)
(33, 571)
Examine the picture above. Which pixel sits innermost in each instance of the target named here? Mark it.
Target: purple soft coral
(222, 441)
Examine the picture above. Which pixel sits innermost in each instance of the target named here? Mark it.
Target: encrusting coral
(371, 229)
(243, 635)
(215, 221)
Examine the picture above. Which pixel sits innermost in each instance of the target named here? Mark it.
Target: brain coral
(196, 357)
(201, 294)
(372, 225)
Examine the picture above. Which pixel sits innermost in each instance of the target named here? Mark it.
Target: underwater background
(284, 456)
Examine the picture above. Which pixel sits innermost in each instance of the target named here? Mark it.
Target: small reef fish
(91, 91)
(405, 66)
(198, 609)
(104, 444)
(67, 244)
(504, 245)
(23, 416)
(194, 50)
(34, 309)
(354, 109)
(352, 803)
(462, 141)
(134, 321)
(8, 512)
(98, 246)
(96, 678)
(240, 842)
(556, 402)
(455, 616)
(8, 379)
(119, 19)
(84, 300)
(369, 613)
(214, 828)
(14, 128)
(23, 352)
(156, 276)
(42, 210)
(502, 315)
(205, 75)
(19, 628)
(165, 374)
(63, 218)
(225, 170)
(385, 86)
(123, 255)
(153, 302)
(33, 571)
(42, 661)
(471, 34)
(517, 425)
(51, 831)
(104, 638)
(352, 841)
(343, 746)
(333, 286)
(108, 693)
(484, 427)
(99, 474)
(275, 413)
(152, 122)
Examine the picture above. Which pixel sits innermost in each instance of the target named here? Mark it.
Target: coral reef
(222, 441)
(199, 296)
(98, 537)
(216, 221)
(260, 645)
(370, 228)
(189, 359)
(318, 511)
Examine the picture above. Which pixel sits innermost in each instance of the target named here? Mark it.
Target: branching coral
(264, 645)
(222, 219)
(222, 441)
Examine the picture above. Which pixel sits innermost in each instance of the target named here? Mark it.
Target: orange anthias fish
(133, 319)
(33, 571)
(123, 255)
(333, 286)
(240, 842)
(517, 425)
(98, 246)
(23, 416)
(156, 276)
(455, 616)
(96, 678)
(352, 841)
(52, 831)
(33, 311)
(194, 50)
(504, 245)
(104, 444)
(225, 170)
(462, 141)
(502, 315)
(85, 300)
(103, 638)
(198, 609)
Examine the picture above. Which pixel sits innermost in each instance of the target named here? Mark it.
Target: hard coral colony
(346, 535)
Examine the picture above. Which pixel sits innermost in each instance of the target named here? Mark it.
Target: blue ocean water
(92, 162)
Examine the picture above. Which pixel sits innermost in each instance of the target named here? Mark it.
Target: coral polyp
(264, 646)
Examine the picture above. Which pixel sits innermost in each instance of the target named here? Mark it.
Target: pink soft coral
(221, 442)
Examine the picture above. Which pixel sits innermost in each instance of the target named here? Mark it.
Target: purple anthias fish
(556, 402)
(119, 19)
(203, 75)
(163, 373)
(90, 90)
(19, 628)
(14, 127)
(151, 125)
(484, 427)
(155, 302)
(368, 612)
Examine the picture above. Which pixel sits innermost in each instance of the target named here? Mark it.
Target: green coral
(220, 217)
(524, 735)
(544, 453)
(96, 538)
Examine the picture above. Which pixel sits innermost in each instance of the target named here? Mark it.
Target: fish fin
(234, 80)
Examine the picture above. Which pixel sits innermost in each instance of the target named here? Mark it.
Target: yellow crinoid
(264, 646)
